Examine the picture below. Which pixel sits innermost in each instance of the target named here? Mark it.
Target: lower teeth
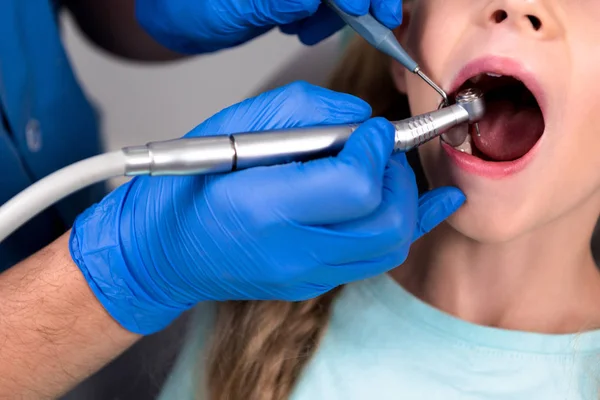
(466, 146)
(455, 134)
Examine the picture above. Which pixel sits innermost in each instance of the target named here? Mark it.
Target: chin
(485, 226)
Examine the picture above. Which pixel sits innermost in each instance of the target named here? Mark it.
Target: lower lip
(486, 169)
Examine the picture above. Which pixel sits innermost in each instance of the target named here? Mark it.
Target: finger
(349, 186)
(354, 7)
(361, 270)
(296, 105)
(387, 232)
(370, 147)
(393, 224)
(388, 12)
(341, 257)
(325, 191)
(320, 26)
(293, 27)
(436, 206)
(274, 12)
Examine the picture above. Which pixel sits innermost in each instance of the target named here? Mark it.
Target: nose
(531, 17)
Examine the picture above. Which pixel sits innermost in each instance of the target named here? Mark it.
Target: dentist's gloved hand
(200, 26)
(157, 246)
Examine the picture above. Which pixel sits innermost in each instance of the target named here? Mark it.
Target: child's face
(538, 156)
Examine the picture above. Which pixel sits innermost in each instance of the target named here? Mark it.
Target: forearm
(111, 24)
(53, 331)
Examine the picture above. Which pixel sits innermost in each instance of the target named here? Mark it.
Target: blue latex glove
(157, 246)
(200, 26)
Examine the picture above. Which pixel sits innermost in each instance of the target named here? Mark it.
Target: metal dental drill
(471, 99)
(219, 154)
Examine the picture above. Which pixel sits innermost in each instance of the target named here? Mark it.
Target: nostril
(535, 22)
(499, 16)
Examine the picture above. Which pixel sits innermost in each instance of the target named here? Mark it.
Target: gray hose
(42, 194)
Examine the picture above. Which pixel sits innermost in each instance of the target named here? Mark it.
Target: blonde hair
(260, 348)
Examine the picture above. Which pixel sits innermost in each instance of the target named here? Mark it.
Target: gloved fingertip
(278, 12)
(458, 199)
(436, 206)
(359, 105)
(293, 28)
(388, 12)
(381, 123)
(382, 129)
(369, 149)
(361, 109)
(354, 7)
(320, 26)
(311, 37)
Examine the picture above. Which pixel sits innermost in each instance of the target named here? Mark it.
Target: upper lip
(502, 66)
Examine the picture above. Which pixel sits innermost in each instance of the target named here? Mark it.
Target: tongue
(508, 132)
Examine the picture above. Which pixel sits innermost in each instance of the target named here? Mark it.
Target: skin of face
(560, 184)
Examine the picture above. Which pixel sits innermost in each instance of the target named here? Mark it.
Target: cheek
(421, 98)
(433, 33)
(570, 163)
(563, 180)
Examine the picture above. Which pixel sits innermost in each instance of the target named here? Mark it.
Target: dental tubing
(223, 154)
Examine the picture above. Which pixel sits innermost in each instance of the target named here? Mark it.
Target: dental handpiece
(221, 154)
(384, 40)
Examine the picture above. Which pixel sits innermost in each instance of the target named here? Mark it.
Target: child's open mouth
(513, 122)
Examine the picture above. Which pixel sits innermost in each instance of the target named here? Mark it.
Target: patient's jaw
(537, 158)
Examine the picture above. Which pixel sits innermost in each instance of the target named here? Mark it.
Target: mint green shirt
(383, 343)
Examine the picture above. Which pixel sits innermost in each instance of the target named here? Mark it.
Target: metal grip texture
(415, 131)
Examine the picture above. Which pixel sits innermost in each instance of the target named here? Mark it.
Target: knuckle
(381, 130)
(380, 123)
(300, 90)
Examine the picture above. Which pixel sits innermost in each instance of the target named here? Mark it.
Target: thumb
(435, 207)
(324, 191)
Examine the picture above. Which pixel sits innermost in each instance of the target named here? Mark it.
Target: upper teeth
(477, 78)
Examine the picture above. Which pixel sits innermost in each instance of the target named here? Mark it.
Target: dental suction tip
(433, 86)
